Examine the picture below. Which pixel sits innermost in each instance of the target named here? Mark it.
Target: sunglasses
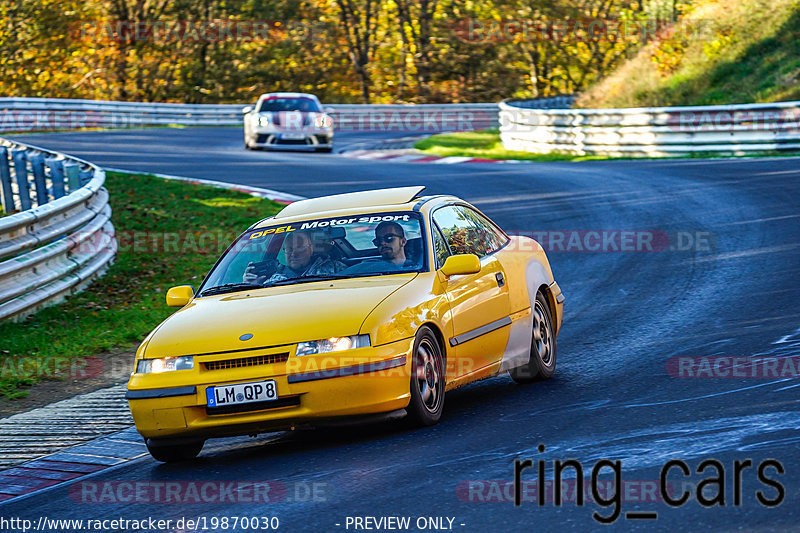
(389, 237)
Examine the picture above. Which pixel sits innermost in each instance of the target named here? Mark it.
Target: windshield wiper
(311, 277)
(230, 287)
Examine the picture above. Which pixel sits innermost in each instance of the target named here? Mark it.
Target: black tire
(427, 380)
(174, 451)
(247, 144)
(326, 150)
(542, 360)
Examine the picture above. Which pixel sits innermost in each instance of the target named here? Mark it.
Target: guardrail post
(5, 181)
(39, 179)
(85, 176)
(21, 173)
(72, 172)
(56, 167)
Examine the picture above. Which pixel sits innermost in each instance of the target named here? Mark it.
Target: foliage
(719, 53)
(343, 50)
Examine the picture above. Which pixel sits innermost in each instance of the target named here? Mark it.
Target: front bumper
(557, 304)
(311, 389)
(306, 139)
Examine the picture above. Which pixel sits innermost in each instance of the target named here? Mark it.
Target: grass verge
(485, 144)
(169, 233)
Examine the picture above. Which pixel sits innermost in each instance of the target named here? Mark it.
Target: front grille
(291, 141)
(242, 362)
(286, 401)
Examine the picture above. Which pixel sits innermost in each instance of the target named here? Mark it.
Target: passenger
(300, 261)
(390, 240)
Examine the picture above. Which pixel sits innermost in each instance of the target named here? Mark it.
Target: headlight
(323, 121)
(334, 344)
(165, 364)
(263, 120)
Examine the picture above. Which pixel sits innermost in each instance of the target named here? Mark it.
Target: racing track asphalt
(627, 313)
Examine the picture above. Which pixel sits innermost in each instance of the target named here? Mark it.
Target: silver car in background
(285, 120)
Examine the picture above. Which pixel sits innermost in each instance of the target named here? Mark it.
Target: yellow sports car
(348, 307)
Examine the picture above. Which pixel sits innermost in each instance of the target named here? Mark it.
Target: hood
(292, 120)
(274, 316)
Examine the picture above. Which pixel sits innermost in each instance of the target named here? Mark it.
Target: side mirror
(180, 296)
(329, 110)
(247, 109)
(461, 264)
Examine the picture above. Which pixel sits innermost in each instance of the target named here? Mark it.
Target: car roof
(288, 95)
(397, 198)
(353, 200)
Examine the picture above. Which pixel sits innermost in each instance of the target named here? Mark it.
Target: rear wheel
(172, 450)
(427, 379)
(542, 361)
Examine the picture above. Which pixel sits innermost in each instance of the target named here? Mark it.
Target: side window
(494, 238)
(439, 247)
(467, 231)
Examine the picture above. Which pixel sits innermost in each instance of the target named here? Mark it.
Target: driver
(301, 260)
(390, 240)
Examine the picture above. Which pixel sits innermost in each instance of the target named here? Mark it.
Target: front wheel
(542, 360)
(172, 450)
(427, 379)
(247, 144)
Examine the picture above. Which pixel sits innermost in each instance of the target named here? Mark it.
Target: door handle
(500, 279)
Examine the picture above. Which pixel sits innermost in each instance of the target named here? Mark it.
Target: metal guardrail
(663, 131)
(549, 102)
(43, 114)
(60, 238)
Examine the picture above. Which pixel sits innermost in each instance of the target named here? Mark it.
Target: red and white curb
(403, 156)
(269, 194)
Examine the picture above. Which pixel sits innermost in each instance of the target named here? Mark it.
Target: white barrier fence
(48, 114)
(541, 126)
(659, 132)
(61, 238)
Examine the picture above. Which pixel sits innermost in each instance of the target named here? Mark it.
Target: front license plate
(293, 136)
(260, 391)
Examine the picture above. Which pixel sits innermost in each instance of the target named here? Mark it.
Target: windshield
(289, 104)
(321, 249)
